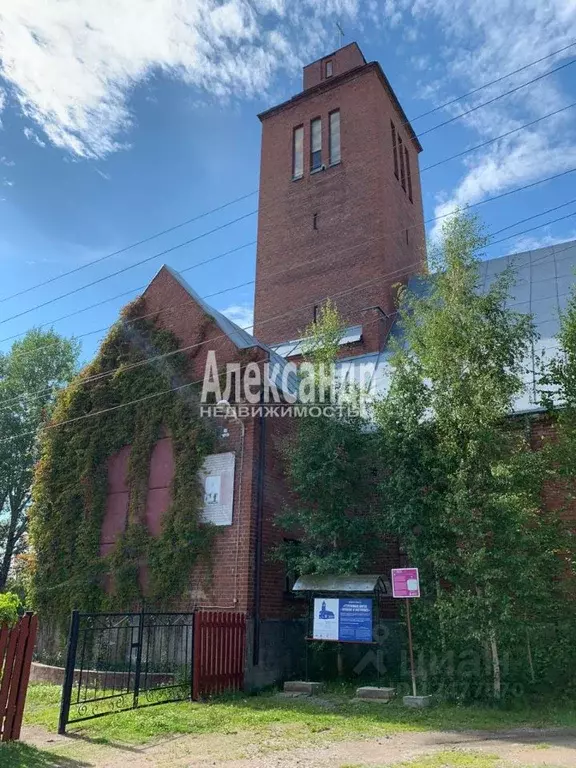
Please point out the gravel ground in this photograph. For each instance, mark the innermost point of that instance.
(519, 747)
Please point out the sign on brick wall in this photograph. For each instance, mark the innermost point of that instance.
(217, 478)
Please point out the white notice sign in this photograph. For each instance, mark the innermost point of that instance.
(217, 478)
(325, 625)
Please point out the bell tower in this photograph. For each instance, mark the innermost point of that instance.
(340, 209)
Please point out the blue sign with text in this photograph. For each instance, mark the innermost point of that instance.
(355, 620)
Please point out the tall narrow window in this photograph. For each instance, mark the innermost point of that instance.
(402, 171)
(334, 137)
(298, 152)
(408, 173)
(329, 68)
(315, 144)
(394, 149)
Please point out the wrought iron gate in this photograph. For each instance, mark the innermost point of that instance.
(119, 661)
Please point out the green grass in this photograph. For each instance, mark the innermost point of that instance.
(18, 755)
(449, 759)
(298, 720)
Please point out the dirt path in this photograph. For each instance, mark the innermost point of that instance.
(521, 747)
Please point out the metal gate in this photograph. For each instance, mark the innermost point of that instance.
(120, 661)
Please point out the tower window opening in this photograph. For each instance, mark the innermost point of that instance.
(316, 144)
(334, 130)
(402, 171)
(394, 149)
(408, 173)
(298, 152)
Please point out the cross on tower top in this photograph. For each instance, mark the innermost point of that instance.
(340, 34)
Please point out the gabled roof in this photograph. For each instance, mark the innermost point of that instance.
(240, 336)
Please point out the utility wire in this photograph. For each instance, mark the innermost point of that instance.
(497, 138)
(180, 245)
(127, 268)
(129, 293)
(253, 192)
(163, 392)
(536, 215)
(491, 82)
(395, 274)
(128, 247)
(496, 98)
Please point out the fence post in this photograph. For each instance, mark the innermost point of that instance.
(193, 653)
(69, 673)
(140, 642)
(25, 676)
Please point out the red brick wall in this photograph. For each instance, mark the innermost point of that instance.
(224, 579)
(363, 212)
(343, 60)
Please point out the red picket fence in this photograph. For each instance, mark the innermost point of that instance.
(16, 647)
(219, 652)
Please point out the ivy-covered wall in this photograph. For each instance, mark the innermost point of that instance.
(70, 486)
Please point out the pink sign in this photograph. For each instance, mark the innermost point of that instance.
(405, 582)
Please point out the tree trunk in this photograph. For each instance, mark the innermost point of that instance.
(530, 659)
(495, 664)
(7, 559)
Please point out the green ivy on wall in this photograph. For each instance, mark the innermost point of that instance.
(70, 485)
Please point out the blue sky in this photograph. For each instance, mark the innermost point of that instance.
(123, 117)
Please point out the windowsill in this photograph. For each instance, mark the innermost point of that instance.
(297, 178)
(333, 165)
(316, 170)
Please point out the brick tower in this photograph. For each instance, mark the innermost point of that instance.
(340, 201)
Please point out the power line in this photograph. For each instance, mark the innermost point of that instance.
(181, 224)
(127, 268)
(539, 226)
(536, 215)
(128, 247)
(128, 293)
(149, 396)
(389, 234)
(252, 213)
(496, 98)
(491, 82)
(394, 274)
(497, 138)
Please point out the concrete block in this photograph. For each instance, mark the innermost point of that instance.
(417, 702)
(372, 692)
(303, 686)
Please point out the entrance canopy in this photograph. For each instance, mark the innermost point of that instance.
(354, 584)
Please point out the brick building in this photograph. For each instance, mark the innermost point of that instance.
(340, 216)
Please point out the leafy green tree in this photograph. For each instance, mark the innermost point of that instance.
(31, 373)
(461, 486)
(9, 606)
(330, 468)
(558, 390)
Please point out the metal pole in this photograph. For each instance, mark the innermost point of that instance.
(69, 673)
(410, 647)
(140, 642)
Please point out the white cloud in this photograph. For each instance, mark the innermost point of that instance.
(73, 64)
(485, 41)
(529, 243)
(241, 314)
(33, 136)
